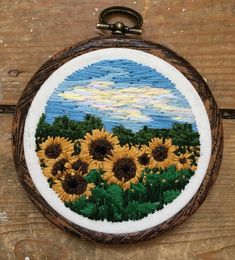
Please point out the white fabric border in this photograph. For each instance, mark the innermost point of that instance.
(38, 107)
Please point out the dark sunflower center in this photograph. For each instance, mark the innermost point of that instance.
(81, 166)
(58, 166)
(144, 159)
(124, 168)
(100, 148)
(160, 153)
(183, 160)
(74, 184)
(53, 151)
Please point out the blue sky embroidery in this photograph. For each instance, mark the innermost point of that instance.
(121, 92)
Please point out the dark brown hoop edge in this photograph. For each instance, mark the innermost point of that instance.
(116, 42)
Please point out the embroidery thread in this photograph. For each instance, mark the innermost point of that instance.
(116, 145)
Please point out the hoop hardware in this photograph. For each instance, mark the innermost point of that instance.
(119, 28)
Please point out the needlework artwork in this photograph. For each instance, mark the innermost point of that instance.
(117, 141)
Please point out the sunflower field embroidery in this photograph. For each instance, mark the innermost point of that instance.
(115, 144)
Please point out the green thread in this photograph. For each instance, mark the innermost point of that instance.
(111, 202)
(181, 134)
(65, 127)
(156, 187)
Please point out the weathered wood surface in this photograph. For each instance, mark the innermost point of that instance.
(208, 234)
(201, 31)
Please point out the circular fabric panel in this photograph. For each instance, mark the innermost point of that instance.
(118, 142)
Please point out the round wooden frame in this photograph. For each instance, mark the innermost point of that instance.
(123, 42)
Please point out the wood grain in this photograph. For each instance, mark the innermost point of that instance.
(201, 31)
(117, 42)
(208, 234)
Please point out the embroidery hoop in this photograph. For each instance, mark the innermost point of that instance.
(119, 41)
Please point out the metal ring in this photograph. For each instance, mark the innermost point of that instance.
(121, 10)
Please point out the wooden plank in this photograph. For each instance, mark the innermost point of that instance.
(33, 31)
(208, 234)
(202, 32)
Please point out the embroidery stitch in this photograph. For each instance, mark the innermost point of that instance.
(115, 144)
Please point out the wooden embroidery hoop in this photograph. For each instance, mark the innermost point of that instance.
(116, 42)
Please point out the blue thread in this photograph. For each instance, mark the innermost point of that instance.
(123, 74)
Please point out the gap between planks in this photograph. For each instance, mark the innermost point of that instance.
(226, 113)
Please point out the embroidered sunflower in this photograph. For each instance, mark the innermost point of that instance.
(55, 168)
(144, 157)
(98, 145)
(122, 167)
(71, 187)
(162, 153)
(183, 161)
(54, 148)
(80, 164)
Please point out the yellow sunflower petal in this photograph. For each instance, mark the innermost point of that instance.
(122, 155)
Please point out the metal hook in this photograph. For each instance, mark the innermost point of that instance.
(119, 28)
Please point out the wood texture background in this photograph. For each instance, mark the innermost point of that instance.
(47, 69)
(201, 31)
